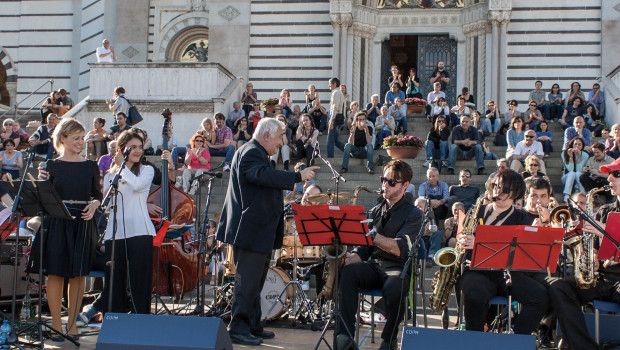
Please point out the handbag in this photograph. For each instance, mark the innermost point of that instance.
(133, 115)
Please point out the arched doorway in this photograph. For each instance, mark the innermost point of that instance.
(189, 45)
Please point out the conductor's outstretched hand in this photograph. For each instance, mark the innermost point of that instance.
(309, 172)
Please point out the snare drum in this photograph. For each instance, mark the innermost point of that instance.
(272, 307)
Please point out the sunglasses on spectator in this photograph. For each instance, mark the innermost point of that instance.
(390, 182)
(615, 173)
(534, 164)
(465, 175)
(533, 105)
(529, 136)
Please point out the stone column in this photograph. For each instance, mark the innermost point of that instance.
(503, 56)
(499, 21)
(376, 62)
(494, 61)
(336, 48)
(345, 47)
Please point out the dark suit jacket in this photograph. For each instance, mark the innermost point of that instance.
(252, 217)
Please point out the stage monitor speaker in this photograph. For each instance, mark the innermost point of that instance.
(162, 332)
(416, 338)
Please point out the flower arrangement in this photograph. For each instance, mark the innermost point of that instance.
(415, 101)
(269, 102)
(402, 141)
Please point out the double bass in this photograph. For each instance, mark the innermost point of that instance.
(175, 262)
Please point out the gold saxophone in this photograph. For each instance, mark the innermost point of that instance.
(582, 248)
(449, 260)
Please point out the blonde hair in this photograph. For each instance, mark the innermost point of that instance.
(66, 127)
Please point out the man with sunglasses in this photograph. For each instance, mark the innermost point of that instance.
(567, 299)
(526, 147)
(395, 224)
(479, 287)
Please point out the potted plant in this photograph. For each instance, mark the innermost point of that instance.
(415, 105)
(402, 146)
(269, 105)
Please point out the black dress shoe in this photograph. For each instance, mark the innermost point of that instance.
(264, 334)
(245, 339)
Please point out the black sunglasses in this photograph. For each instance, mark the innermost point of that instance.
(615, 173)
(390, 182)
(529, 136)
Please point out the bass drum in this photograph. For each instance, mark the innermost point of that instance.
(275, 282)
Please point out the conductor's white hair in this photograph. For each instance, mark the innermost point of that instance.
(267, 127)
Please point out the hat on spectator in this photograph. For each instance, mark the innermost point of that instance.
(610, 167)
(166, 112)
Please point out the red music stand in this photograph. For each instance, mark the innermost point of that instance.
(516, 248)
(608, 248)
(332, 225)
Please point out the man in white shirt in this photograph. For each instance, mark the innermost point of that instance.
(433, 97)
(337, 106)
(105, 53)
(524, 148)
(399, 112)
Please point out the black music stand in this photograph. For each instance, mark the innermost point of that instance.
(332, 225)
(516, 248)
(39, 198)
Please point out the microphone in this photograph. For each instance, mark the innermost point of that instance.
(209, 173)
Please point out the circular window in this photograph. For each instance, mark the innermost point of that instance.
(190, 45)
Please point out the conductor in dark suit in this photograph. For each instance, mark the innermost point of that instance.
(252, 221)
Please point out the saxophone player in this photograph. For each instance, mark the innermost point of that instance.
(479, 287)
(567, 297)
(396, 223)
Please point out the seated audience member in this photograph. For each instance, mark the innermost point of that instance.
(11, 160)
(285, 102)
(436, 144)
(41, 139)
(396, 77)
(451, 224)
(197, 160)
(533, 167)
(360, 143)
(460, 109)
(469, 98)
(384, 126)
(398, 111)
(441, 109)
(512, 112)
(533, 116)
(437, 191)
(463, 192)
(493, 118)
(121, 125)
(393, 94)
(555, 102)
(413, 84)
(105, 161)
(574, 158)
(574, 92)
(8, 133)
(613, 148)
(242, 135)
(207, 130)
(255, 115)
(354, 107)
(311, 94)
(596, 97)
(578, 129)
(293, 119)
(234, 115)
(525, 148)
(488, 155)
(477, 123)
(465, 145)
(433, 98)
(223, 141)
(96, 140)
(594, 121)
(573, 110)
(606, 137)
(592, 176)
(433, 237)
(285, 149)
(538, 96)
(306, 139)
(23, 134)
(514, 135)
(502, 164)
(545, 137)
(318, 113)
(373, 109)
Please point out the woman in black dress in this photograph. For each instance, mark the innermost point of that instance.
(69, 245)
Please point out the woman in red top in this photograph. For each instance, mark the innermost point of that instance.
(197, 160)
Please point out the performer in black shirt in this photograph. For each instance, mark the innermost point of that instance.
(396, 222)
(567, 298)
(479, 287)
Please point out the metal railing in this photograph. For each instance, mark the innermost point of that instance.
(16, 106)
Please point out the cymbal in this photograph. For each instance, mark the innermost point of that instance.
(328, 197)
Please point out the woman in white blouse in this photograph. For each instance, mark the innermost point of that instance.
(135, 231)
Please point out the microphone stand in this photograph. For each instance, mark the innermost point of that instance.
(112, 195)
(202, 240)
(584, 216)
(336, 176)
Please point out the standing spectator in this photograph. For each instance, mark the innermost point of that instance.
(393, 94)
(234, 115)
(574, 158)
(525, 148)
(432, 98)
(41, 139)
(359, 144)
(307, 138)
(311, 94)
(464, 192)
(469, 98)
(11, 160)
(597, 97)
(556, 103)
(512, 111)
(337, 109)
(575, 109)
(396, 78)
(248, 98)
(242, 135)
(121, 125)
(96, 140)
(441, 75)
(514, 135)
(373, 109)
(413, 84)
(574, 92)
(118, 102)
(592, 176)
(538, 95)
(533, 116)
(223, 145)
(399, 112)
(436, 144)
(285, 149)
(105, 53)
(465, 145)
(197, 160)
(438, 193)
(578, 129)
(545, 137)
(105, 161)
(384, 126)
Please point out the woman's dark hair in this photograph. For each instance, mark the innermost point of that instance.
(594, 115)
(119, 90)
(555, 86)
(514, 119)
(7, 141)
(541, 123)
(511, 183)
(571, 144)
(238, 121)
(122, 141)
(436, 124)
(100, 121)
(400, 170)
(309, 117)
